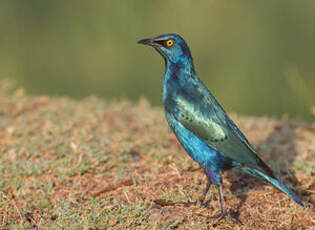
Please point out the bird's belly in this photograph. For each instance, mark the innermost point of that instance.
(200, 151)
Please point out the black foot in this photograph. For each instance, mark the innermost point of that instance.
(198, 202)
(224, 214)
(186, 204)
(202, 203)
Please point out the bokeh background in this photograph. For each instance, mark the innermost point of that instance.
(257, 57)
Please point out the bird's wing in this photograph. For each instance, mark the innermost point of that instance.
(201, 114)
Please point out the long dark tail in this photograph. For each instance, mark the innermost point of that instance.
(275, 181)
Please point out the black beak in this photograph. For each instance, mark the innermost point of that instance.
(149, 42)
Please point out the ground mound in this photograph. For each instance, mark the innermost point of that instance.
(92, 164)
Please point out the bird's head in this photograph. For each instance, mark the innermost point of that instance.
(172, 47)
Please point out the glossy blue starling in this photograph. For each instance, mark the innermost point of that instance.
(201, 125)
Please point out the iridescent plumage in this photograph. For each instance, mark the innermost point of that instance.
(201, 125)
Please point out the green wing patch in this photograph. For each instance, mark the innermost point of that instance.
(207, 130)
(214, 130)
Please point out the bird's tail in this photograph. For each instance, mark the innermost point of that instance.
(275, 181)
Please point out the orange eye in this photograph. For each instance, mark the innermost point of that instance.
(169, 43)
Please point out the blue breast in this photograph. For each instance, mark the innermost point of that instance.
(200, 151)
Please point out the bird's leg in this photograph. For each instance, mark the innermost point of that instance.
(224, 211)
(201, 199)
(203, 195)
(222, 202)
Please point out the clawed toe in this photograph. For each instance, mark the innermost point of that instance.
(204, 204)
(200, 203)
(224, 214)
(186, 204)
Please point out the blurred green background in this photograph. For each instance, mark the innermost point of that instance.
(257, 57)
